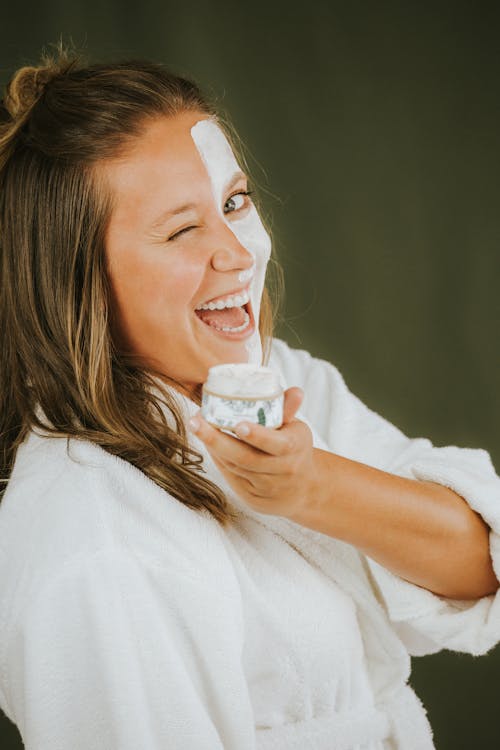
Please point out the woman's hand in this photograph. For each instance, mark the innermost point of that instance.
(422, 531)
(271, 470)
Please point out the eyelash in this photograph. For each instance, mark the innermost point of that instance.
(174, 236)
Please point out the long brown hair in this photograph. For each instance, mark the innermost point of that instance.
(59, 367)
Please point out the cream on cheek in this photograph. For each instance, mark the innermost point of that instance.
(220, 163)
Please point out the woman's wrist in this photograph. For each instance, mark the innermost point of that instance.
(335, 497)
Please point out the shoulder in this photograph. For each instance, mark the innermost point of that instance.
(326, 394)
(337, 416)
(65, 490)
(69, 501)
(299, 367)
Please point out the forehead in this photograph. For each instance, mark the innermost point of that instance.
(189, 146)
(164, 147)
(174, 158)
(175, 161)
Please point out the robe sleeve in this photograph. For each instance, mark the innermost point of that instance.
(425, 622)
(118, 653)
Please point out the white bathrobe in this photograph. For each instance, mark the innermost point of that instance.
(130, 622)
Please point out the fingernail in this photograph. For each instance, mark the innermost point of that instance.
(242, 429)
(194, 424)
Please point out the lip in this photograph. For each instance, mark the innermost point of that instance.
(227, 294)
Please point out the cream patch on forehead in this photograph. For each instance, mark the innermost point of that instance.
(216, 153)
(221, 165)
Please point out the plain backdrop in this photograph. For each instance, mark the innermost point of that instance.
(374, 134)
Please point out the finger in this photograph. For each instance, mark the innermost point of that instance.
(281, 442)
(238, 481)
(226, 447)
(242, 481)
(293, 399)
(273, 466)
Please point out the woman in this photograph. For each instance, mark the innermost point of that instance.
(170, 587)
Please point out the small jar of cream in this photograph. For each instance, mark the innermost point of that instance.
(241, 392)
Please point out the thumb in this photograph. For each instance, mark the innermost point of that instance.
(293, 399)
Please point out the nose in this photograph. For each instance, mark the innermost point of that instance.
(230, 254)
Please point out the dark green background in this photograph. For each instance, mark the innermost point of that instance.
(375, 128)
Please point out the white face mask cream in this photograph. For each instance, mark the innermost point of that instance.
(221, 166)
(242, 392)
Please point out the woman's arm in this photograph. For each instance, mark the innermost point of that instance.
(422, 531)
(448, 513)
(420, 511)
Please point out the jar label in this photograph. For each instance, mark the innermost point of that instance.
(227, 412)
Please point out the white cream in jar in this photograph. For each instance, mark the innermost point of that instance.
(235, 393)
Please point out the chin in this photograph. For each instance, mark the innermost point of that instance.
(232, 352)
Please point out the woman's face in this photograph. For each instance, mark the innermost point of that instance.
(183, 235)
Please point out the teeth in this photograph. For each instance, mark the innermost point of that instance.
(238, 300)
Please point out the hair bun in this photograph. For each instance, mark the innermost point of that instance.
(25, 88)
(28, 84)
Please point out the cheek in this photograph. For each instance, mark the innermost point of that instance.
(181, 281)
(153, 285)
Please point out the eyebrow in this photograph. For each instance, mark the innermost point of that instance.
(160, 220)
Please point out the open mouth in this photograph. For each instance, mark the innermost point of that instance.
(234, 321)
